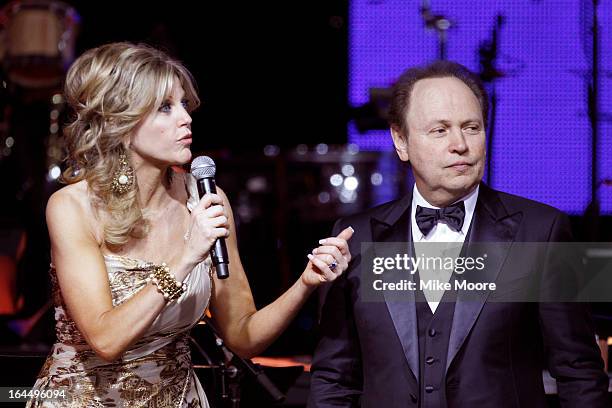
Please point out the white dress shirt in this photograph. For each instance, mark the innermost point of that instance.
(441, 232)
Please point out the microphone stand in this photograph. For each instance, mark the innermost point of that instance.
(593, 111)
(439, 23)
(591, 48)
(235, 368)
(489, 73)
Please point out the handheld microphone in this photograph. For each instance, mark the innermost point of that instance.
(203, 169)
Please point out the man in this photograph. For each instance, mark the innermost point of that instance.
(456, 353)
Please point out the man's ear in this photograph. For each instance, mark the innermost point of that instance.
(401, 143)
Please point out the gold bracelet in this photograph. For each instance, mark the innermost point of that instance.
(166, 283)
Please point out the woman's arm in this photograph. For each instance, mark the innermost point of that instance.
(249, 331)
(84, 284)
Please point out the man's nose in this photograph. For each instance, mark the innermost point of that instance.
(457, 142)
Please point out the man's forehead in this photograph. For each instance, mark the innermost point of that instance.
(432, 87)
(432, 94)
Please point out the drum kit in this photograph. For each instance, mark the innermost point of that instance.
(37, 46)
(37, 42)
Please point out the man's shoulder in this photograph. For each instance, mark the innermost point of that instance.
(380, 212)
(514, 203)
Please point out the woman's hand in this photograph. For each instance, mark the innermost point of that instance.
(329, 260)
(209, 221)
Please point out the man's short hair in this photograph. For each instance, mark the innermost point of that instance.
(439, 69)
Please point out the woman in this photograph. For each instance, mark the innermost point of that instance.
(130, 243)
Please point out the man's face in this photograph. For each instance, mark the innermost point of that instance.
(445, 141)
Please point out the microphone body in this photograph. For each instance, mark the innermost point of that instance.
(206, 185)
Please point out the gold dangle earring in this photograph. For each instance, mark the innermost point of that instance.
(123, 179)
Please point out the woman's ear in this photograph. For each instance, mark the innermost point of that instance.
(127, 142)
(400, 141)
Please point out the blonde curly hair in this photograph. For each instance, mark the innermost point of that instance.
(111, 89)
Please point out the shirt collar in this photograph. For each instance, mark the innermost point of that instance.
(469, 201)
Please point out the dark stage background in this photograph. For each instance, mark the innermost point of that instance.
(274, 80)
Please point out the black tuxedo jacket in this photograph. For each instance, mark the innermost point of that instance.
(368, 354)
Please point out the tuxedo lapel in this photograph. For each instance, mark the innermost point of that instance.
(395, 226)
(491, 223)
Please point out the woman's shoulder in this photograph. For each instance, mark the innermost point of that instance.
(71, 197)
(72, 205)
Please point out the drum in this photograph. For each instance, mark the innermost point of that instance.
(37, 39)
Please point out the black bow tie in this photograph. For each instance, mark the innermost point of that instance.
(453, 216)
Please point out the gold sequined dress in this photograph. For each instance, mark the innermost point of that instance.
(155, 372)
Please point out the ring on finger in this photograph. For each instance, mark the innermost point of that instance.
(333, 266)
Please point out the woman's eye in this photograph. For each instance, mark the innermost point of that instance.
(165, 107)
(185, 104)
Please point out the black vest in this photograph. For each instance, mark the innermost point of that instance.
(434, 333)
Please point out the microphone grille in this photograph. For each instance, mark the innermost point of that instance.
(203, 167)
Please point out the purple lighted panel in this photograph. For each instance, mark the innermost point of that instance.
(542, 136)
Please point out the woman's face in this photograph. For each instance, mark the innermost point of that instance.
(164, 136)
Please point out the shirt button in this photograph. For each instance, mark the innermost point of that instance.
(430, 360)
(429, 389)
(432, 332)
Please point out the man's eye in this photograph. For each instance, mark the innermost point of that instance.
(438, 131)
(472, 128)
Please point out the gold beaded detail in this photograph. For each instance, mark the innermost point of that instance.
(166, 283)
